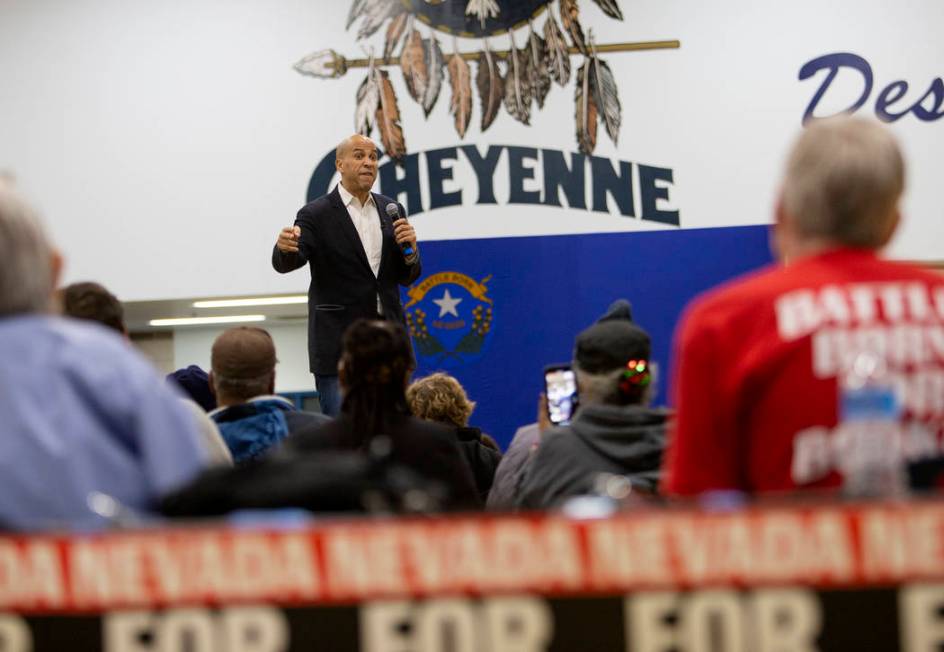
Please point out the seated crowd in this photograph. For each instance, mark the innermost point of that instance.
(758, 366)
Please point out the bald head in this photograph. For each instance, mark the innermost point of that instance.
(347, 145)
(243, 365)
(356, 160)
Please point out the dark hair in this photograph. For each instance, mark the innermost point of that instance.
(375, 361)
(92, 302)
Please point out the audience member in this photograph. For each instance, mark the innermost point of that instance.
(92, 302)
(613, 431)
(440, 397)
(489, 442)
(217, 451)
(373, 372)
(510, 472)
(251, 418)
(758, 360)
(195, 383)
(83, 414)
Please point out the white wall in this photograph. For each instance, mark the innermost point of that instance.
(168, 141)
(192, 346)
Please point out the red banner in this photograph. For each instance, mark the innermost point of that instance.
(353, 561)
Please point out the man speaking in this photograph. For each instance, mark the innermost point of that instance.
(358, 249)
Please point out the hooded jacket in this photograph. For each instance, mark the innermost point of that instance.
(624, 440)
(250, 429)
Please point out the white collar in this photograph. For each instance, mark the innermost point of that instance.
(347, 198)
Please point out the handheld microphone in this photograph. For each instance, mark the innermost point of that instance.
(393, 212)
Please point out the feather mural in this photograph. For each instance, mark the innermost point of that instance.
(519, 79)
(606, 96)
(413, 65)
(538, 75)
(368, 100)
(325, 64)
(357, 8)
(558, 57)
(610, 8)
(395, 32)
(388, 119)
(433, 59)
(586, 110)
(570, 19)
(517, 85)
(460, 80)
(375, 13)
(489, 82)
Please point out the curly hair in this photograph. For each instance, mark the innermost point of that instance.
(440, 397)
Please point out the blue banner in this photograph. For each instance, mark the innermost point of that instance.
(494, 312)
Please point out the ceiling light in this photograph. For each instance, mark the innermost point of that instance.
(260, 301)
(197, 321)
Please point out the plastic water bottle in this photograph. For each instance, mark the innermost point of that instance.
(870, 425)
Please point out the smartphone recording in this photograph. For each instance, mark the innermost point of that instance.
(560, 387)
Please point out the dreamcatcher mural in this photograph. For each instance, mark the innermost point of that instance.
(516, 79)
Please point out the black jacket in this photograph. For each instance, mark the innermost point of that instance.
(343, 287)
(430, 449)
(482, 460)
(624, 440)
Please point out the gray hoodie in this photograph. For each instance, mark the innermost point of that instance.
(624, 440)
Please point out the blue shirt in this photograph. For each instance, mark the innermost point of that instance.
(81, 411)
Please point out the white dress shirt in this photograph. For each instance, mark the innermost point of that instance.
(367, 223)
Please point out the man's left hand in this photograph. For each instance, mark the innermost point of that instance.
(404, 233)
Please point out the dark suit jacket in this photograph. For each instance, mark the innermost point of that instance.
(430, 449)
(343, 287)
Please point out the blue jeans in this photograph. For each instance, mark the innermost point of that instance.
(329, 394)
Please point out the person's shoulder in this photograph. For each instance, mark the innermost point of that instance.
(319, 204)
(431, 427)
(299, 420)
(523, 438)
(911, 272)
(317, 435)
(736, 301)
(56, 341)
(551, 468)
(468, 433)
(383, 200)
(557, 439)
(431, 431)
(88, 340)
(101, 360)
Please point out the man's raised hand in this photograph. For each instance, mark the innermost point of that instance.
(288, 239)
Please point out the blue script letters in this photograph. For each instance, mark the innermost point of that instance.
(889, 95)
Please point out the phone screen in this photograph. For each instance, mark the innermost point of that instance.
(561, 391)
